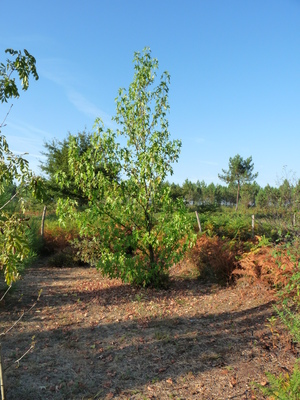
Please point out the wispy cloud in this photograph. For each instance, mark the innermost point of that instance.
(26, 140)
(29, 130)
(88, 108)
(208, 162)
(59, 72)
(56, 70)
(199, 140)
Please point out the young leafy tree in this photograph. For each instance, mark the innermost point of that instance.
(132, 228)
(240, 171)
(14, 171)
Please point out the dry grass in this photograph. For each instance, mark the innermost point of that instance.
(100, 339)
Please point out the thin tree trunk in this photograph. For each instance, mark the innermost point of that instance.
(149, 229)
(151, 254)
(237, 196)
(198, 220)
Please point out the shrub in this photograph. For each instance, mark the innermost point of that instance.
(63, 259)
(287, 273)
(229, 225)
(215, 257)
(283, 387)
(276, 265)
(56, 237)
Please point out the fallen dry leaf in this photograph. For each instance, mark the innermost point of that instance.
(233, 381)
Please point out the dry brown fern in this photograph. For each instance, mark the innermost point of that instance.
(214, 257)
(262, 264)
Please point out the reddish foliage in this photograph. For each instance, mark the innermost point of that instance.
(261, 264)
(58, 240)
(215, 257)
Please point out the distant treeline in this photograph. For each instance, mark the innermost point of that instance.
(196, 194)
(286, 195)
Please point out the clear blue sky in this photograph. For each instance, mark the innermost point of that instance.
(234, 66)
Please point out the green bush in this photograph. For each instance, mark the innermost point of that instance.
(63, 259)
(287, 387)
(283, 387)
(34, 237)
(229, 225)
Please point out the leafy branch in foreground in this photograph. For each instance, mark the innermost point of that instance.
(24, 66)
(132, 229)
(14, 170)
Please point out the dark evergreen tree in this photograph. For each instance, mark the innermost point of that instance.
(240, 171)
(57, 161)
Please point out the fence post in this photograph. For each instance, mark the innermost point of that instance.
(43, 221)
(198, 220)
(253, 221)
(1, 377)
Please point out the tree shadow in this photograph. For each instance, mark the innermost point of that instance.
(87, 291)
(75, 361)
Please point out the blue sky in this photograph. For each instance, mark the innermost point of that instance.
(234, 66)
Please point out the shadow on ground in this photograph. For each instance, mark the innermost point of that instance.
(120, 358)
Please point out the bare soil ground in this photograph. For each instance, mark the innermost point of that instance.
(100, 339)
